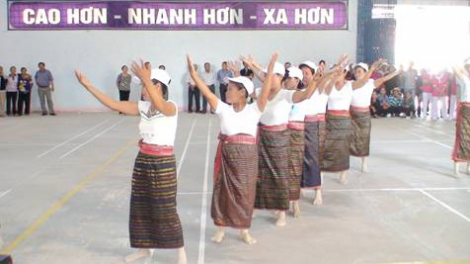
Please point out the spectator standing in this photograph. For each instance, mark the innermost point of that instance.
(25, 84)
(193, 92)
(3, 84)
(223, 76)
(247, 71)
(208, 76)
(439, 92)
(45, 82)
(12, 92)
(409, 80)
(123, 83)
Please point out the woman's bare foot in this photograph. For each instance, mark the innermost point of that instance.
(365, 168)
(343, 177)
(296, 209)
(139, 254)
(318, 200)
(182, 256)
(456, 169)
(246, 237)
(219, 235)
(281, 219)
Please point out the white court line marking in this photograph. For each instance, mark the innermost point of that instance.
(430, 129)
(5, 193)
(91, 139)
(202, 236)
(426, 138)
(24, 181)
(186, 145)
(448, 207)
(67, 141)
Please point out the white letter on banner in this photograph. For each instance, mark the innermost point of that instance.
(86, 15)
(190, 16)
(149, 16)
(327, 16)
(269, 16)
(300, 16)
(282, 17)
(176, 17)
(236, 16)
(209, 16)
(41, 17)
(314, 16)
(54, 16)
(223, 16)
(73, 16)
(162, 17)
(100, 16)
(134, 15)
(28, 18)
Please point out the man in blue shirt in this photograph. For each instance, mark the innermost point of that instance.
(45, 83)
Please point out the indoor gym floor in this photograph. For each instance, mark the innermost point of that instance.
(65, 189)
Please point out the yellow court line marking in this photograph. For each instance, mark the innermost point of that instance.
(56, 207)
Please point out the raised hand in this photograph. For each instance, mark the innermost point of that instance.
(191, 69)
(141, 71)
(82, 79)
(376, 64)
(233, 66)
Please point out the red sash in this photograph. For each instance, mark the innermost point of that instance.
(155, 150)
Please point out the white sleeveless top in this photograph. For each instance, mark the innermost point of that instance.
(278, 109)
(362, 96)
(341, 100)
(157, 129)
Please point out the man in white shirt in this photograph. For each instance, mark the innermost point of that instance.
(208, 76)
(193, 92)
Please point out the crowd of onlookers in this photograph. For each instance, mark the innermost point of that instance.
(412, 94)
(409, 94)
(15, 91)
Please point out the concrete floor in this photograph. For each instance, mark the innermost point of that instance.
(65, 184)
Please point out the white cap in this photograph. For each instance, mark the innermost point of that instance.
(247, 83)
(309, 64)
(278, 69)
(295, 72)
(362, 65)
(161, 76)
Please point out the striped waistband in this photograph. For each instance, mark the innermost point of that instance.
(273, 128)
(155, 150)
(360, 109)
(238, 139)
(315, 118)
(338, 113)
(295, 125)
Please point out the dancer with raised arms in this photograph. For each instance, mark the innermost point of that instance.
(154, 221)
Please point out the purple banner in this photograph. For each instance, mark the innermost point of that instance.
(153, 15)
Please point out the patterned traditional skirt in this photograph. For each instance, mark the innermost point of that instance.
(154, 221)
(359, 137)
(296, 158)
(315, 133)
(461, 151)
(336, 156)
(235, 172)
(272, 189)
